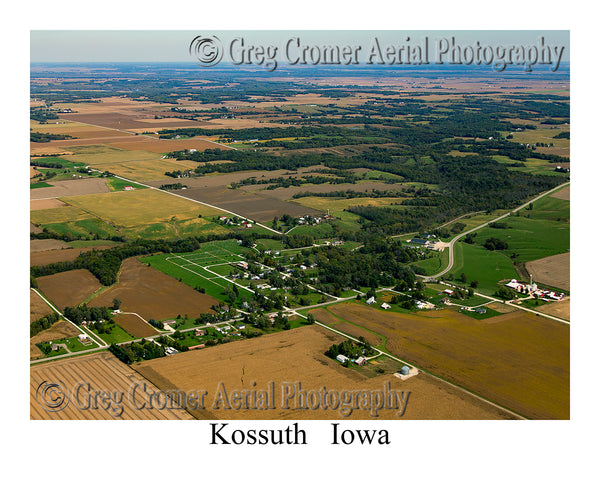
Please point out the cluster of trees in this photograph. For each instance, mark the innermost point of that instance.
(40, 137)
(137, 351)
(43, 323)
(493, 243)
(82, 313)
(172, 186)
(351, 349)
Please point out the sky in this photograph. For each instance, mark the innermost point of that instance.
(172, 45)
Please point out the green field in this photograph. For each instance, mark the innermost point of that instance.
(487, 267)
(118, 184)
(39, 185)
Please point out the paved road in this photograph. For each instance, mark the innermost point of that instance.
(455, 239)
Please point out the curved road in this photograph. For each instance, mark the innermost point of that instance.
(453, 241)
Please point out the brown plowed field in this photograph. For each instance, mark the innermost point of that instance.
(560, 309)
(67, 188)
(123, 121)
(153, 294)
(135, 325)
(298, 356)
(505, 361)
(37, 307)
(67, 289)
(63, 255)
(102, 371)
(553, 271)
(34, 229)
(46, 244)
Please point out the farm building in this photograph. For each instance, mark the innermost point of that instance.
(360, 361)
(448, 291)
(371, 301)
(128, 187)
(342, 358)
(385, 306)
(480, 310)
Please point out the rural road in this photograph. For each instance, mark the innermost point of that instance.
(455, 239)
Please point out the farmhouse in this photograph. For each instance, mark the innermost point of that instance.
(371, 301)
(128, 187)
(385, 306)
(360, 361)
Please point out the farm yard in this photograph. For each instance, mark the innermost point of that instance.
(501, 360)
(298, 356)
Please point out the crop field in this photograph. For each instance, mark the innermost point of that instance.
(553, 271)
(152, 294)
(66, 188)
(37, 307)
(140, 207)
(103, 372)
(61, 255)
(337, 205)
(67, 289)
(563, 193)
(560, 309)
(298, 356)
(63, 214)
(46, 244)
(45, 204)
(134, 325)
(500, 358)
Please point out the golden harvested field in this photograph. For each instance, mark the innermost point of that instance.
(62, 255)
(66, 188)
(58, 331)
(153, 294)
(100, 156)
(298, 356)
(37, 307)
(134, 325)
(324, 203)
(46, 244)
(62, 214)
(68, 288)
(288, 193)
(143, 170)
(77, 130)
(45, 204)
(140, 207)
(102, 371)
(504, 361)
(553, 270)
(560, 309)
(164, 145)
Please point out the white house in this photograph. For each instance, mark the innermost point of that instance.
(371, 301)
(385, 306)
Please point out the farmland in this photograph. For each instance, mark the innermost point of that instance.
(501, 360)
(298, 356)
(100, 371)
(341, 171)
(67, 289)
(152, 294)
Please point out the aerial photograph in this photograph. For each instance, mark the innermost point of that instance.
(301, 226)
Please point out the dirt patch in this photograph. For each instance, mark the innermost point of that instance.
(46, 244)
(502, 361)
(298, 356)
(134, 325)
(67, 289)
(37, 307)
(34, 228)
(502, 307)
(104, 373)
(45, 204)
(554, 271)
(67, 188)
(63, 255)
(563, 193)
(153, 294)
